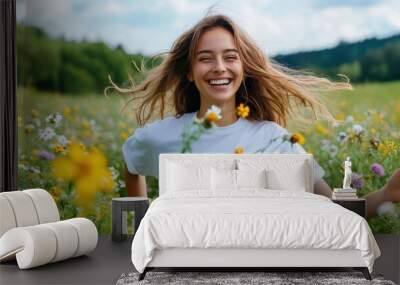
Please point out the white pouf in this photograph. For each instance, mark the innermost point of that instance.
(31, 232)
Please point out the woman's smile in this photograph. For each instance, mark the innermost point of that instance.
(217, 70)
(220, 84)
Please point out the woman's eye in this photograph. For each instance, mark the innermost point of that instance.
(204, 58)
(232, 57)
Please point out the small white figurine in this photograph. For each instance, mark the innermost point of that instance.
(347, 174)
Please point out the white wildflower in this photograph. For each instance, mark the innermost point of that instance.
(349, 119)
(214, 109)
(121, 183)
(46, 133)
(55, 119)
(357, 129)
(114, 172)
(62, 140)
(34, 169)
(333, 150)
(325, 144)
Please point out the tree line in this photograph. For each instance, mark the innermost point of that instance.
(72, 67)
(364, 61)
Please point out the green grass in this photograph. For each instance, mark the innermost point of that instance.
(97, 121)
(372, 94)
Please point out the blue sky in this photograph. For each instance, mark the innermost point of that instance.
(278, 26)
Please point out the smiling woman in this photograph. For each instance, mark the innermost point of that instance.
(216, 63)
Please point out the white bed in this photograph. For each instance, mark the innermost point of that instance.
(222, 210)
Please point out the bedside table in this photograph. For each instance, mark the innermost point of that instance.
(120, 207)
(358, 205)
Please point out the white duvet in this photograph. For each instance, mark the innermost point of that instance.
(253, 218)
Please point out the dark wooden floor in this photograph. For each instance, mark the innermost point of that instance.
(102, 266)
(110, 259)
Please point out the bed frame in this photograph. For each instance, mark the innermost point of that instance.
(247, 259)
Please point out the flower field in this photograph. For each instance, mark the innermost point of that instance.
(71, 146)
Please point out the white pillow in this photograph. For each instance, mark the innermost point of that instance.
(293, 180)
(223, 179)
(251, 178)
(227, 179)
(182, 177)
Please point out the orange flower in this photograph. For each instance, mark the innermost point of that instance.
(297, 138)
(212, 117)
(213, 114)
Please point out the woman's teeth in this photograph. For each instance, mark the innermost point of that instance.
(220, 82)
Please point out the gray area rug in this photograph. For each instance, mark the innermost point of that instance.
(228, 278)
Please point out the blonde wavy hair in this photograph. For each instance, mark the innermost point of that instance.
(272, 91)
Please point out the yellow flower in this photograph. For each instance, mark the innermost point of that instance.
(88, 171)
(67, 111)
(124, 135)
(340, 117)
(242, 110)
(321, 129)
(387, 148)
(297, 138)
(64, 168)
(239, 150)
(59, 148)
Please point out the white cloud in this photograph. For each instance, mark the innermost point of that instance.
(278, 26)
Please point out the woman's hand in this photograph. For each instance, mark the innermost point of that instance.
(391, 190)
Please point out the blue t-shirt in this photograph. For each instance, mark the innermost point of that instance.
(142, 149)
